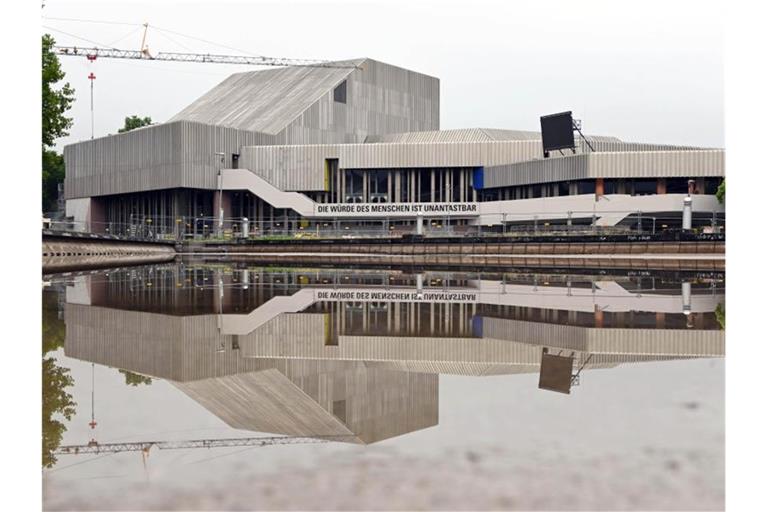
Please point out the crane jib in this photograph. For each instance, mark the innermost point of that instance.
(114, 53)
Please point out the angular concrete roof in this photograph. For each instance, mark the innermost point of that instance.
(266, 101)
(468, 135)
(459, 135)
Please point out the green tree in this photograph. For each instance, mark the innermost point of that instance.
(134, 379)
(57, 402)
(720, 315)
(56, 101)
(53, 174)
(133, 122)
(721, 191)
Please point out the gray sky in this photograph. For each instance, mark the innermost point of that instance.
(648, 71)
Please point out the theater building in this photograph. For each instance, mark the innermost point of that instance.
(358, 144)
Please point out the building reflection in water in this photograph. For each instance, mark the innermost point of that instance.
(358, 353)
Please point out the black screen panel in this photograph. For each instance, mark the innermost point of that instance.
(557, 131)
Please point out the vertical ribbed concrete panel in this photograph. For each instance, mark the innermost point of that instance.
(178, 348)
(277, 107)
(622, 343)
(622, 164)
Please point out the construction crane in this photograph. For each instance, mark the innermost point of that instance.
(114, 53)
(143, 53)
(144, 446)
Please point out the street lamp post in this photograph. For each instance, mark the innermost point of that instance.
(221, 194)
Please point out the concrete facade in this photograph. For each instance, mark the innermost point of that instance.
(302, 145)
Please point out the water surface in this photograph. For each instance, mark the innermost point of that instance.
(429, 384)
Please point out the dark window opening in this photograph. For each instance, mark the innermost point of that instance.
(645, 187)
(585, 187)
(710, 185)
(340, 410)
(340, 93)
(677, 185)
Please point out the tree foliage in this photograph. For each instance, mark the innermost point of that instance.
(53, 174)
(133, 122)
(57, 402)
(56, 101)
(720, 315)
(134, 379)
(721, 192)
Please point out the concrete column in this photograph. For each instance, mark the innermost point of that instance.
(686, 293)
(389, 186)
(418, 186)
(432, 184)
(366, 178)
(661, 319)
(398, 185)
(462, 197)
(687, 212)
(431, 318)
(225, 205)
(599, 187)
(598, 317)
(222, 293)
(661, 185)
(97, 217)
(419, 225)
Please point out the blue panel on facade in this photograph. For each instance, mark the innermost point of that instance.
(477, 178)
(477, 326)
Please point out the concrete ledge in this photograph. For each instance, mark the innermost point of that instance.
(633, 262)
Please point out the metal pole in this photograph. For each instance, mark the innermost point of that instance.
(92, 77)
(92, 125)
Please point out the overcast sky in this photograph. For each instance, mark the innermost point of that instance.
(648, 71)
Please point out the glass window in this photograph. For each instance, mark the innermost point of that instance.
(677, 185)
(645, 187)
(585, 187)
(340, 93)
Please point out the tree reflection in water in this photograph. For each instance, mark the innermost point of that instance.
(134, 379)
(57, 403)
